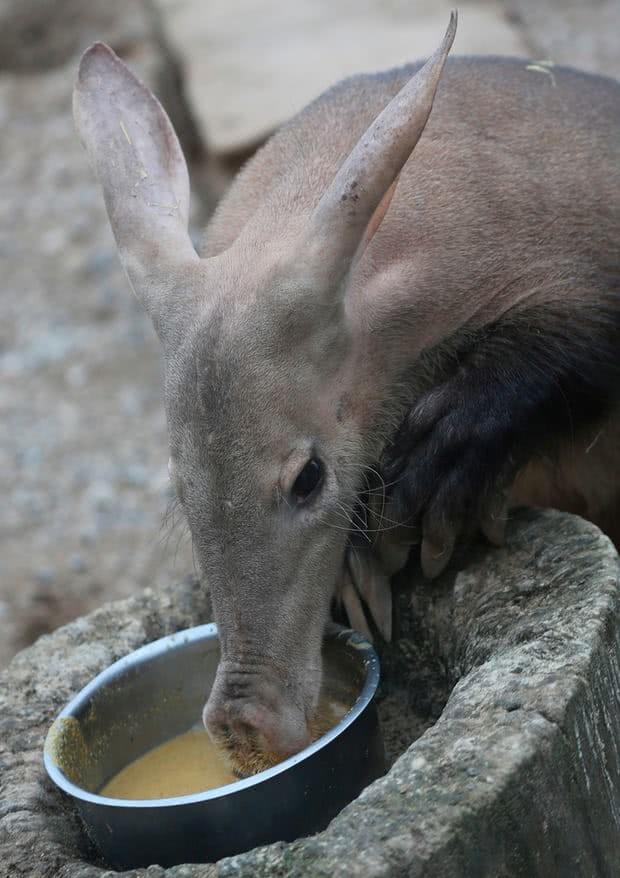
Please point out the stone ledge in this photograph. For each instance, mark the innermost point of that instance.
(519, 776)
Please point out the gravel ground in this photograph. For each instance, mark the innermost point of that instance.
(83, 453)
(83, 441)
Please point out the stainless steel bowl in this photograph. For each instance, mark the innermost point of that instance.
(158, 692)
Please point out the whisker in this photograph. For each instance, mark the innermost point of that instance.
(329, 524)
(174, 523)
(379, 488)
(183, 535)
(194, 565)
(363, 521)
(382, 517)
(353, 526)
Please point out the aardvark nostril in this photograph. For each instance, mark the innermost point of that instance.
(216, 720)
(226, 723)
(241, 723)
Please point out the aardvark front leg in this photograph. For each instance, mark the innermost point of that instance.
(531, 380)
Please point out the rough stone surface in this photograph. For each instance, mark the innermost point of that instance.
(520, 776)
(252, 65)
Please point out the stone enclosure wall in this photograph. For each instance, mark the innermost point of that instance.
(520, 775)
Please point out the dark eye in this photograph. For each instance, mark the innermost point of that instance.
(308, 480)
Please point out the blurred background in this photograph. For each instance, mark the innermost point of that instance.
(83, 451)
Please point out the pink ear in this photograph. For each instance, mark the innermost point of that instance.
(137, 158)
(350, 211)
(377, 218)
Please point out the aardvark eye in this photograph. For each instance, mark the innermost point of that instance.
(308, 481)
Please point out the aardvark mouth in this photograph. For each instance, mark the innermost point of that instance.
(246, 756)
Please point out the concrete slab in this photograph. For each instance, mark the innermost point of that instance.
(249, 66)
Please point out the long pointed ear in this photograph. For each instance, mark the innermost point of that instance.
(351, 210)
(138, 161)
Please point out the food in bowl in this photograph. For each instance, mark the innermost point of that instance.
(192, 763)
(154, 695)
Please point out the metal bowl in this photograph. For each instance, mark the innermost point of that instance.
(158, 692)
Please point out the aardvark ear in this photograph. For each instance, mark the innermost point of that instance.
(354, 205)
(137, 158)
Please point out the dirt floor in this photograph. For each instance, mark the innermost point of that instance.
(83, 458)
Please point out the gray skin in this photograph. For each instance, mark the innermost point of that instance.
(335, 261)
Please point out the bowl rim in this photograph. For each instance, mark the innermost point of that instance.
(352, 638)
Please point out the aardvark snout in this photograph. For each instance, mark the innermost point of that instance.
(257, 729)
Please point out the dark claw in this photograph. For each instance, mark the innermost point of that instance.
(447, 462)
